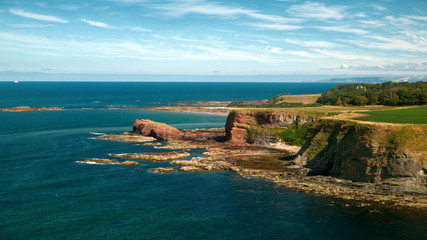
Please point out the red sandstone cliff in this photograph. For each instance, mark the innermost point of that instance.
(239, 122)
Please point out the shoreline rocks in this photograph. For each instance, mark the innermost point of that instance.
(163, 170)
(127, 138)
(27, 109)
(155, 156)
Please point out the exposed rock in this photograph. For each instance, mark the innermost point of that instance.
(129, 163)
(203, 163)
(190, 169)
(160, 131)
(27, 108)
(127, 138)
(154, 157)
(151, 144)
(108, 161)
(163, 170)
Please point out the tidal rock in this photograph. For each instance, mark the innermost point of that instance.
(155, 156)
(127, 138)
(27, 108)
(163, 170)
(108, 161)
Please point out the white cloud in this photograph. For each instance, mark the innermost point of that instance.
(360, 14)
(378, 7)
(320, 44)
(318, 11)
(139, 29)
(343, 29)
(36, 16)
(344, 55)
(373, 23)
(399, 20)
(275, 27)
(422, 18)
(390, 43)
(97, 24)
(202, 7)
(31, 25)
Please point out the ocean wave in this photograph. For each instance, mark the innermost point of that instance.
(97, 133)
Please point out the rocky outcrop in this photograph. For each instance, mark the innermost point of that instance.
(154, 156)
(163, 170)
(27, 108)
(160, 131)
(239, 122)
(104, 161)
(366, 152)
(127, 138)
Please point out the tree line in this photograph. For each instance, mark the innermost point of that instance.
(389, 93)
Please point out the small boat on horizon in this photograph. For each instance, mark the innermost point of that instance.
(15, 81)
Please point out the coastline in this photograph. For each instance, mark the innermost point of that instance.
(280, 164)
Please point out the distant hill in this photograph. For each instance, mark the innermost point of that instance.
(374, 79)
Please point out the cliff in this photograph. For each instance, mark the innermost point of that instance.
(240, 123)
(361, 152)
(366, 152)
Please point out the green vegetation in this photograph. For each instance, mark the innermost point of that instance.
(392, 94)
(294, 134)
(405, 115)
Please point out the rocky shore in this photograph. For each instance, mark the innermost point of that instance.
(228, 151)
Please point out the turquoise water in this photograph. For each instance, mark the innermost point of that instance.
(46, 194)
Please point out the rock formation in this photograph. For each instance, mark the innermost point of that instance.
(239, 122)
(366, 152)
(160, 131)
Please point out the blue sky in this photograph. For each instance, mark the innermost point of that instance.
(206, 37)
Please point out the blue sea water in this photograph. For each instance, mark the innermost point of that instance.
(46, 194)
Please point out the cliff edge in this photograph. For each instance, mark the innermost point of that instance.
(346, 149)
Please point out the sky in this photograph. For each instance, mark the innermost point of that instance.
(214, 37)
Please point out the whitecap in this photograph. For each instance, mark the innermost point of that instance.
(97, 133)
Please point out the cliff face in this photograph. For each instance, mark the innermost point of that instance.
(239, 122)
(366, 152)
(346, 149)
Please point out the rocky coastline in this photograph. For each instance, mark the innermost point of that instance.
(342, 158)
(227, 149)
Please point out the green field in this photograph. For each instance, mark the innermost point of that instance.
(406, 115)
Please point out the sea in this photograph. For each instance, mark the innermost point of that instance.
(45, 193)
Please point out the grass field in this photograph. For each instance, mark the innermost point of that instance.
(303, 98)
(405, 115)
